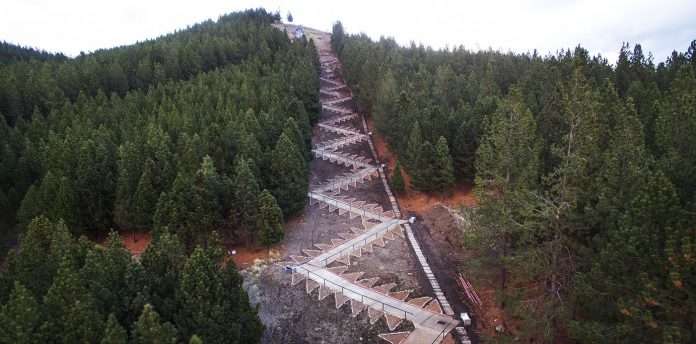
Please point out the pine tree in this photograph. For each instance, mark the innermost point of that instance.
(198, 293)
(106, 273)
(423, 171)
(397, 179)
(290, 185)
(674, 133)
(150, 330)
(567, 197)
(35, 263)
(145, 197)
(270, 220)
(20, 317)
(205, 202)
(614, 292)
(385, 111)
(444, 169)
(70, 311)
(414, 147)
(506, 165)
(293, 132)
(173, 208)
(246, 190)
(114, 332)
(130, 163)
(32, 206)
(162, 262)
(64, 205)
(242, 318)
(338, 38)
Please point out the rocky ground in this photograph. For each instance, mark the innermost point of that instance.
(292, 316)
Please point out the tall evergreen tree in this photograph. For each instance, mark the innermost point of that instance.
(71, 314)
(507, 163)
(31, 206)
(149, 329)
(270, 220)
(290, 185)
(415, 146)
(674, 128)
(205, 203)
(145, 197)
(161, 263)
(20, 318)
(293, 132)
(106, 274)
(397, 179)
(246, 190)
(114, 332)
(423, 171)
(444, 168)
(43, 245)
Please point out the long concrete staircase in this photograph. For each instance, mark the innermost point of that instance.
(323, 268)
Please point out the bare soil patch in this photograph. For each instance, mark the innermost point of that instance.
(134, 241)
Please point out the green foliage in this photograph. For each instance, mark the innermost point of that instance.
(20, 317)
(415, 145)
(291, 184)
(397, 179)
(423, 168)
(337, 37)
(149, 329)
(114, 332)
(583, 172)
(103, 137)
(443, 178)
(80, 292)
(145, 197)
(245, 194)
(270, 220)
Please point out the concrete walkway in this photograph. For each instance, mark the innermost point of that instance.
(431, 325)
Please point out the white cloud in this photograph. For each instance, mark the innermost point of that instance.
(546, 25)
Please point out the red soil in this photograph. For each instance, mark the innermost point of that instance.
(245, 256)
(135, 241)
(416, 201)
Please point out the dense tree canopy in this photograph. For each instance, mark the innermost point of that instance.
(584, 173)
(148, 135)
(77, 292)
(10, 53)
(183, 135)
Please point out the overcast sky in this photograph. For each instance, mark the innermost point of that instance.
(71, 26)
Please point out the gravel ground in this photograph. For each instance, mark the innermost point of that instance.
(292, 316)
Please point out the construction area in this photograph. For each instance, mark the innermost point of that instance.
(350, 269)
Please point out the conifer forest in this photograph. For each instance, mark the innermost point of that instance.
(581, 171)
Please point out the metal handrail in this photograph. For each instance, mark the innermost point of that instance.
(346, 181)
(441, 335)
(379, 216)
(362, 296)
(323, 154)
(352, 247)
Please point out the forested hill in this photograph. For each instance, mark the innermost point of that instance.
(200, 136)
(10, 53)
(584, 173)
(184, 131)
